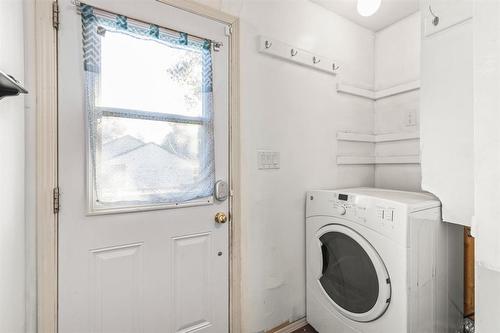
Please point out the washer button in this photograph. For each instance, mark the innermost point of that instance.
(380, 213)
(389, 215)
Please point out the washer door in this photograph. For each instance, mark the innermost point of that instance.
(353, 276)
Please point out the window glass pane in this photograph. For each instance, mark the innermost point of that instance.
(349, 277)
(149, 104)
(146, 75)
(153, 161)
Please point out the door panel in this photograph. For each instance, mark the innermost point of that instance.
(116, 289)
(191, 278)
(138, 269)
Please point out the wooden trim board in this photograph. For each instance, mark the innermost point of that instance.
(288, 327)
(235, 292)
(46, 166)
(469, 275)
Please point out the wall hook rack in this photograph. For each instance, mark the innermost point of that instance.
(9, 86)
(297, 55)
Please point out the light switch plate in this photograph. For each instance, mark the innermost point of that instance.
(268, 160)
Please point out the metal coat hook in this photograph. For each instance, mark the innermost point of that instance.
(316, 60)
(268, 44)
(335, 67)
(435, 20)
(293, 52)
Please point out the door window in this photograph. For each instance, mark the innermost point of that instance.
(348, 275)
(150, 119)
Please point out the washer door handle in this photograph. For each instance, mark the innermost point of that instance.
(325, 256)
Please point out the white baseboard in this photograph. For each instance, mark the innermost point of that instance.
(293, 326)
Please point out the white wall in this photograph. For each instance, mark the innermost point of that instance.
(296, 111)
(397, 61)
(446, 94)
(487, 163)
(12, 230)
(30, 146)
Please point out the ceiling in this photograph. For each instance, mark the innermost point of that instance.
(390, 11)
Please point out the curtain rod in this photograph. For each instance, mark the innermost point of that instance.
(77, 3)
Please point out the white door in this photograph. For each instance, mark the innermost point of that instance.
(143, 137)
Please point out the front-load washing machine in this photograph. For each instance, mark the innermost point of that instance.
(382, 261)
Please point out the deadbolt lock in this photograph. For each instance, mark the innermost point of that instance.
(220, 218)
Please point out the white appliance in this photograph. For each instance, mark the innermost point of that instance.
(382, 261)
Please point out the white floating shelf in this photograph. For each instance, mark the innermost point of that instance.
(376, 95)
(294, 54)
(350, 160)
(365, 160)
(375, 138)
(355, 91)
(400, 159)
(356, 137)
(396, 90)
(386, 137)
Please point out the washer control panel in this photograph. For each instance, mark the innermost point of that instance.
(344, 204)
(349, 206)
(381, 215)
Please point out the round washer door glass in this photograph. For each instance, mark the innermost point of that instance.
(353, 275)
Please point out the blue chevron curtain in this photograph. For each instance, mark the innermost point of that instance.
(95, 24)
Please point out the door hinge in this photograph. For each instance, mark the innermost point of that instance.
(55, 199)
(55, 15)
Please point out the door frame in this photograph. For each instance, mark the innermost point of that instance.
(46, 93)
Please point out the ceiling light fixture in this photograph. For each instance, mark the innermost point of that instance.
(368, 7)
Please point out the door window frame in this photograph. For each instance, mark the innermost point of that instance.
(384, 295)
(92, 71)
(45, 76)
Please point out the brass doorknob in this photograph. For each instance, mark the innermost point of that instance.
(220, 218)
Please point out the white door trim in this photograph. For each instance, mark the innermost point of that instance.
(46, 165)
(46, 161)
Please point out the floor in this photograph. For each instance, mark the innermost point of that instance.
(306, 329)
